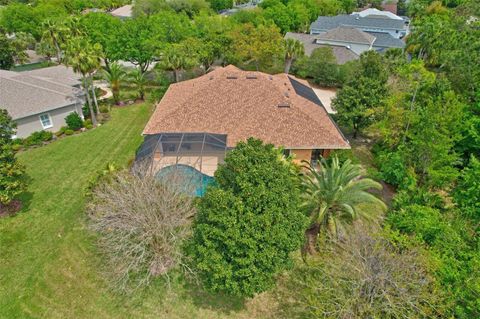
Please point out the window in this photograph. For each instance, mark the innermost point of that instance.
(46, 121)
(286, 152)
(316, 155)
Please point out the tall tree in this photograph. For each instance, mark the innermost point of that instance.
(178, 57)
(114, 75)
(364, 92)
(247, 226)
(140, 81)
(135, 43)
(259, 45)
(293, 50)
(11, 172)
(53, 35)
(103, 29)
(336, 194)
(7, 53)
(84, 58)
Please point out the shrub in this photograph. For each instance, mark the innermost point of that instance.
(467, 192)
(89, 126)
(247, 227)
(104, 109)
(16, 147)
(86, 111)
(11, 172)
(37, 138)
(69, 132)
(87, 122)
(392, 167)
(61, 131)
(363, 276)
(17, 141)
(74, 121)
(141, 224)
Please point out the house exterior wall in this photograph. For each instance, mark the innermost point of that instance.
(30, 124)
(301, 155)
(355, 47)
(306, 155)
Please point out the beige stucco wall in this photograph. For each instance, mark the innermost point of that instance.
(30, 124)
(301, 155)
(306, 155)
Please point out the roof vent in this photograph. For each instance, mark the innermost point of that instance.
(251, 76)
(283, 105)
(231, 77)
(286, 94)
(211, 77)
(270, 77)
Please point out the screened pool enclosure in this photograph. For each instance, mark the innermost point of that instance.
(195, 156)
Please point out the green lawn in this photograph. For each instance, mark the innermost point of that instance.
(31, 66)
(49, 266)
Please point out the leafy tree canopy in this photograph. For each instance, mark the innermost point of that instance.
(247, 226)
(11, 172)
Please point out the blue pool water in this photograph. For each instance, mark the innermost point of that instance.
(193, 178)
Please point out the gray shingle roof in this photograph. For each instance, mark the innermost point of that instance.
(327, 23)
(347, 34)
(342, 54)
(385, 40)
(27, 93)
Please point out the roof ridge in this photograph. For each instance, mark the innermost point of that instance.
(51, 80)
(36, 86)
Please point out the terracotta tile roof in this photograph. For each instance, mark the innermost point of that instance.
(242, 104)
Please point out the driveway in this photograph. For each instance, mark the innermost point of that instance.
(326, 95)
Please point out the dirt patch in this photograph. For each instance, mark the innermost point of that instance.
(11, 209)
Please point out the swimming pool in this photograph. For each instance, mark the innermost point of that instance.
(194, 181)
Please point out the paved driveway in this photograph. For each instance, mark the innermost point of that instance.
(326, 95)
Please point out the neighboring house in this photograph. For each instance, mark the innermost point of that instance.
(351, 35)
(342, 53)
(124, 12)
(375, 13)
(199, 120)
(347, 43)
(40, 99)
(379, 24)
(243, 6)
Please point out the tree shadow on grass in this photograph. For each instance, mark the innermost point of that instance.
(213, 301)
(20, 204)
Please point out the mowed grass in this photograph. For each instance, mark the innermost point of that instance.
(49, 264)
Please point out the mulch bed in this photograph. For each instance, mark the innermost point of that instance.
(11, 209)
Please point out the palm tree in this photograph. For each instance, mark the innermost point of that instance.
(293, 49)
(178, 57)
(138, 78)
(52, 34)
(84, 58)
(336, 194)
(114, 75)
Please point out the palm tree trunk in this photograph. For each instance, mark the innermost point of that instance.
(288, 65)
(89, 101)
(177, 76)
(311, 235)
(94, 96)
(57, 47)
